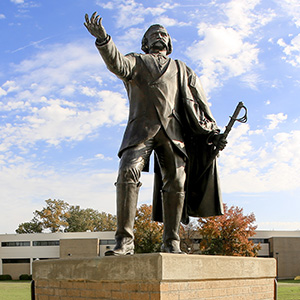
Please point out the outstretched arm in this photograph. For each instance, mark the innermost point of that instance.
(95, 27)
(115, 61)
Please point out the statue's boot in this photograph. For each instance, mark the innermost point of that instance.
(127, 197)
(172, 212)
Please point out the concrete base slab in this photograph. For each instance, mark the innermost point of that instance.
(156, 276)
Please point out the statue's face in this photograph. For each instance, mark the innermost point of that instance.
(158, 37)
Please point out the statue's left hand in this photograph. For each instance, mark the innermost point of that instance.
(219, 141)
(95, 27)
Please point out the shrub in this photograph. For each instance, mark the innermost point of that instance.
(5, 277)
(25, 277)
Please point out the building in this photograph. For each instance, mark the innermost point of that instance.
(18, 251)
(284, 246)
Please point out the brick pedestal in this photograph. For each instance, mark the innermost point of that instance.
(156, 277)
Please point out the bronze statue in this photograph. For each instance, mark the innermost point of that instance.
(169, 115)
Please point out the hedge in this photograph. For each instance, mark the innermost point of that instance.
(5, 277)
(25, 277)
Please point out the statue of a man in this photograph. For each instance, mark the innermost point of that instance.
(168, 114)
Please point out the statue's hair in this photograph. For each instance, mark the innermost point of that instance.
(145, 47)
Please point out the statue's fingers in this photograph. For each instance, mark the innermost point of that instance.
(96, 19)
(93, 17)
(87, 20)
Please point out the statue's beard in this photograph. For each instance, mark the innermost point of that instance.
(159, 45)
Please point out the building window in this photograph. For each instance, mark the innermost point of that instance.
(16, 260)
(15, 244)
(45, 243)
(107, 242)
(257, 241)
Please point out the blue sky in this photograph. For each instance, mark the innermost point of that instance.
(63, 114)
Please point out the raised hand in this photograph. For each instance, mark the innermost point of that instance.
(95, 27)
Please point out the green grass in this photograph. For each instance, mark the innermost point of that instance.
(15, 290)
(20, 290)
(289, 290)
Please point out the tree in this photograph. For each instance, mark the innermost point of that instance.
(106, 222)
(81, 220)
(54, 215)
(148, 233)
(58, 215)
(34, 226)
(228, 234)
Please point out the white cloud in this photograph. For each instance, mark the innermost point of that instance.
(103, 157)
(55, 121)
(251, 80)
(273, 167)
(93, 189)
(292, 9)
(222, 54)
(9, 86)
(17, 1)
(268, 102)
(36, 98)
(130, 12)
(245, 17)
(275, 120)
(53, 69)
(130, 40)
(291, 51)
(2, 92)
(107, 5)
(224, 49)
(2, 16)
(168, 22)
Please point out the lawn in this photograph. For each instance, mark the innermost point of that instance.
(15, 290)
(289, 290)
(20, 290)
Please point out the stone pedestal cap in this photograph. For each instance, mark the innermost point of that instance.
(155, 267)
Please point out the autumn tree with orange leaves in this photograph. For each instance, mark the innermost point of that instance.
(147, 233)
(54, 215)
(228, 234)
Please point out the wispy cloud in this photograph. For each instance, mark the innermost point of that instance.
(17, 1)
(131, 13)
(272, 167)
(37, 98)
(276, 119)
(225, 49)
(169, 22)
(38, 183)
(291, 50)
(292, 9)
(36, 43)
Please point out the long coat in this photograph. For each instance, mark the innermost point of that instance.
(172, 99)
(203, 196)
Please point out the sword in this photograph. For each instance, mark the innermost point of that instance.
(229, 126)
